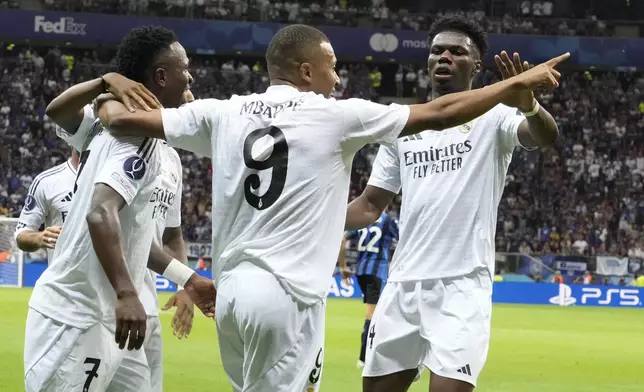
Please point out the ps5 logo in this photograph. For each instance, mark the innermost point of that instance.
(565, 297)
(626, 297)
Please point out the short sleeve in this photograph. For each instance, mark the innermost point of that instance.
(34, 212)
(191, 126)
(174, 215)
(509, 120)
(368, 122)
(78, 139)
(129, 167)
(385, 172)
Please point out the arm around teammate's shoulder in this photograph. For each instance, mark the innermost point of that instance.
(189, 127)
(121, 122)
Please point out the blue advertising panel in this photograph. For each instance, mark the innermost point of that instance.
(504, 292)
(567, 295)
(214, 36)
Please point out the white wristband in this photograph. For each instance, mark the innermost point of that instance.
(534, 110)
(178, 272)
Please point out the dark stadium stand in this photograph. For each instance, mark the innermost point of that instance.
(545, 17)
(582, 197)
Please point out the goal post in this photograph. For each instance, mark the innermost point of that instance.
(11, 258)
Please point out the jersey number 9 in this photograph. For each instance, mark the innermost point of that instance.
(277, 160)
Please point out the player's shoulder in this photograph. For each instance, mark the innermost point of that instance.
(53, 172)
(501, 111)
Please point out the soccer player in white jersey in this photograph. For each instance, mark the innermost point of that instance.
(47, 203)
(282, 166)
(88, 297)
(435, 309)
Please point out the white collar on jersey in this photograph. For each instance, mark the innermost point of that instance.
(71, 167)
(282, 87)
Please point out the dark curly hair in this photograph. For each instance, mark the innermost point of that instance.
(463, 25)
(140, 48)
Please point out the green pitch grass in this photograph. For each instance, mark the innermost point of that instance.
(533, 349)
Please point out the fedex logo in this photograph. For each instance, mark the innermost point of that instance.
(62, 26)
(623, 297)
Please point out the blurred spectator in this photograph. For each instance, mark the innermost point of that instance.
(557, 278)
(531, 17)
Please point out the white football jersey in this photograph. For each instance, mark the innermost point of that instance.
(48, 200)
(74, 289)
(282, 164)
(166, 199)
(452, 183)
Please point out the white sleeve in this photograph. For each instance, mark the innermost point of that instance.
(34, 211)
(174, 215)
(368, 122)
(385, 172)
(509, 120)
(126, 170)
(191, 126)
(78, 138)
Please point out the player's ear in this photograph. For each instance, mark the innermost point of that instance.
(478, 65)
(306, 72)
(160, 77)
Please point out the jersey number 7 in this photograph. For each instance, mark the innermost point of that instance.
(277, 160)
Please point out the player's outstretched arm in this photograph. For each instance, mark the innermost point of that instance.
(366, 208)
(201, 290)
(458, 108)
(67, 110)
(104, 228)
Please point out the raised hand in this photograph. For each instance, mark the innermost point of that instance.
(542, 76)
(132, 94)
(522, 100)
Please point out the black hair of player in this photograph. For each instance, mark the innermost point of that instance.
(139, 50)
(290, 47)
(464, 25)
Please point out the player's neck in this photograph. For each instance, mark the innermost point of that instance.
(283, 82)
(436, 92)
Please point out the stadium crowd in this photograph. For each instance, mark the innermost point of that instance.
(526, 17)
(582, 197)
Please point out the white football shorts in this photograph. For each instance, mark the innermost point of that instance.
(269, 342)
(142, 370)
(440, 324)
(62, 358)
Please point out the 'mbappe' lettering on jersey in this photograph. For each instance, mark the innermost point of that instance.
(163, 199)
(259, 108)
(437, 160)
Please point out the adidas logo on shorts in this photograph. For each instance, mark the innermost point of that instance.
(465, 370)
